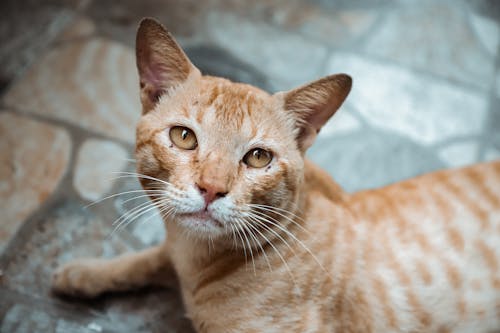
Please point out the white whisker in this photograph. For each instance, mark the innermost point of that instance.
(276, 250)
(117, 194)
(259, 243)
(277, 224)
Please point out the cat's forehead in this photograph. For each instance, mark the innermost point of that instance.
(226, 110)
(231, 104)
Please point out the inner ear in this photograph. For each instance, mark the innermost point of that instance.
(313, 104)
(161, 62)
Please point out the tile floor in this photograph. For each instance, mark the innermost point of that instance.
(426, 96)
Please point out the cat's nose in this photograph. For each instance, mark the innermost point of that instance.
(210, 192)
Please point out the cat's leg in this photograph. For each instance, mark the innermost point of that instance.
(91, 277)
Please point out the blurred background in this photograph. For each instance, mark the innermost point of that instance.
(426, 96)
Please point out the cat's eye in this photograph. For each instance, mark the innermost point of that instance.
(258, 158)
(183, 137)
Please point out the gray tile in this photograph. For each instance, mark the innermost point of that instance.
(415, 35)
(147, 225)
(34, 158)
(212, 60)
(119, 20)
(487, 31)
(369, 159)
(423, 108)
(26, 29)
(458, 154)
(287, 58)
(91, 83)
(97, 165)
(68, 232)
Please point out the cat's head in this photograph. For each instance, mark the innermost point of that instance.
(215, 154)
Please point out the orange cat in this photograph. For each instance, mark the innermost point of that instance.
(261, 240)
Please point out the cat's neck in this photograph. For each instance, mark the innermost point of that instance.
(201, 252)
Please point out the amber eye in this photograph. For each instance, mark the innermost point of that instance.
(258, 158)
(183, 137)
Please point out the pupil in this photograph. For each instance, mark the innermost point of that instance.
(257, 154)
(184, 134)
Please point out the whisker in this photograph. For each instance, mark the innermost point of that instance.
(117, 194)
(271, 209)
(233, 234)
(132, 211)
(259, 244)
(276, 250)
(124, 223)
(277, 224)
(249, 247)
(242, 243)
(277, 209)
(125, 174)
(162, 208)
(144, 196)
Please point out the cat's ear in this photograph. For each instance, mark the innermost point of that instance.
(160, 60)
(313, 104)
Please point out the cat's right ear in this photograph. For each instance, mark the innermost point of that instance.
(161, 63)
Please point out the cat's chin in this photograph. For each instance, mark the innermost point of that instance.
(202, 222)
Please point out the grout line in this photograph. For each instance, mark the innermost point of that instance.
(487, 131)
(80, 313)
(70, 127)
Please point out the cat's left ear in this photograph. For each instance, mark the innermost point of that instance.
(161, 63)
(313, 104)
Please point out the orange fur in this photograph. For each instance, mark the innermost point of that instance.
(422, 255)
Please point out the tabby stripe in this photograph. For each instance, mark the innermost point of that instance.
(460, 194)
(488, 255)
(383, 298)
(480, 181)
(424, 273)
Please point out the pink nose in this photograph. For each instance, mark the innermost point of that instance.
(210, 192)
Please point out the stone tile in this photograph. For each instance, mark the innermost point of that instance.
(460, 154)
(332, 24)
(89, 317)
(414, 35)
(336, 27)
(92, 84)
(425, 109)
(497, 85)
(96, 167)
(370, 159)
(212, 60)
(147, 227)
(26, 33)
(70, 231)
(82, 27)
(287, 58)
(487, 31)
(119, 20)
(486, 8)
(492, 154)
(15, 320)
(341, 123)
(33, 159)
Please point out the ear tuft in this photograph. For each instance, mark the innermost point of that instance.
(314, 103)
(160, 61)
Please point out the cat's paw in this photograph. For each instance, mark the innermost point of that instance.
(81, 278)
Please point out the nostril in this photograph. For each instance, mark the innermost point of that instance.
(201, 189)
(221, 194)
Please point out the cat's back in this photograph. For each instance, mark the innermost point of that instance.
(433, 254)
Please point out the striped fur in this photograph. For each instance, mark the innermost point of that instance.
(422, 255)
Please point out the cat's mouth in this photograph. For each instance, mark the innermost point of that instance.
(203, 217)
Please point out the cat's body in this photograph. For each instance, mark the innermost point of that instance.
(411, 257)
(268, 242)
